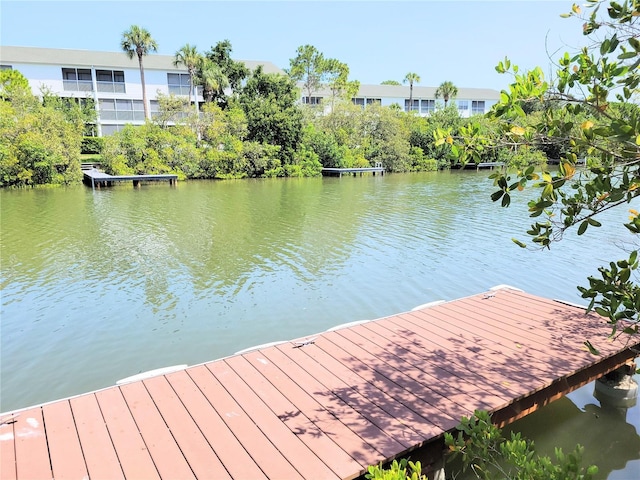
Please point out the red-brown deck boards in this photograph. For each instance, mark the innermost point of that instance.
(229, 450)
(159, 440)
(466, 379)
(127, 442)
(99, 454)
(377, 444)
(353, 397)
(443, 383)
(7, 449)
(266, 455)
(67, 460)
(396, 384)
(377, 395)
(486, 340)
(407, 375)
(524, 322)
(193, 445)
(332, 426)
(338, 393)
(457, 352)
(32, 452)
(298, 423)
(286, 441)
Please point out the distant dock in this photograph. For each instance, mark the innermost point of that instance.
(338, 172)
(483, 165)
(96, 178)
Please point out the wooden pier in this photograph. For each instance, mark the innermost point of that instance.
(483, 165)
(353, 171)
(325, 406)
(97, 178)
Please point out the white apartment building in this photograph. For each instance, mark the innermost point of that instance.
(112, 80)
(469, 101)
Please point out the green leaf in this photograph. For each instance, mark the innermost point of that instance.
(519, 243)
(495, 196)
(583, 227)
(593, 350)
(625, 273)
(627, 55)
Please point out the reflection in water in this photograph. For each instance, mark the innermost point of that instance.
(609, 435)
(100, 285)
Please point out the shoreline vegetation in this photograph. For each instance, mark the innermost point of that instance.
(251, 125)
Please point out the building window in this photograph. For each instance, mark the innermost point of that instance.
(415, 107)
(6, 67)
(477, 106)
(312, 100)
(77, 79)
(121, 110)
(154, 108)
(463, 105)
(366, 101)
(178, 83)
(428, 106)
(111, 81)
(111, 129)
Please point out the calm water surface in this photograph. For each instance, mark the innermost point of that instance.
(97, 286)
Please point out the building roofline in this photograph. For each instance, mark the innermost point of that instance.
(98, 59)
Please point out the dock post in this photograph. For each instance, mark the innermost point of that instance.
(618, 389)
(136, 183)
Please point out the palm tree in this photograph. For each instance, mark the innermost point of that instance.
(189, 57)
(446, 90)
(213, 80)
(411, 78)
(138, 41)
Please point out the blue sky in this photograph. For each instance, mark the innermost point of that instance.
(460, 41)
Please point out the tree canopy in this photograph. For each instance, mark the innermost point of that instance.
(189, 57)
(411, 78)
(308, 67)
(220, 71)
(137, 41)
(589, 109)
(446, 90)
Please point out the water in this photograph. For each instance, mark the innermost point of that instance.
(97, 286)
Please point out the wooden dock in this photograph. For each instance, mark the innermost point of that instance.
(483, 165)
(353, 171)
(324, 407)
(97, 178)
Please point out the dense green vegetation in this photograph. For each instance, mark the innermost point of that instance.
(251, 124)
(590, 111)
(40, 139)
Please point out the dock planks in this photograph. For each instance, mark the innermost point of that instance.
(97, 178)
(329, 171)
(354, 396)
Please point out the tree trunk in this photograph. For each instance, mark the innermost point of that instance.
(194, 90)
(147, 115)
(410, 97)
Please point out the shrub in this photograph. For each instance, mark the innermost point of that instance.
(92, 145)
